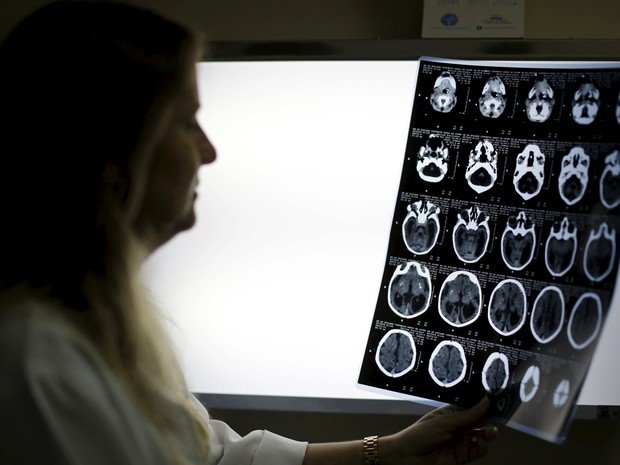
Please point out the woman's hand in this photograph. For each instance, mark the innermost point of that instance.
(442, 437)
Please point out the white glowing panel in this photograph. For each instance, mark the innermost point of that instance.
(273, 292)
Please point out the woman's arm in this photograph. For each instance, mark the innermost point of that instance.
(442, 437)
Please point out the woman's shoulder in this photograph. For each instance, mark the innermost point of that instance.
(57, 391)
(36, 330)
(41, 347)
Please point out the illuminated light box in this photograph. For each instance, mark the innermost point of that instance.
(272, 294)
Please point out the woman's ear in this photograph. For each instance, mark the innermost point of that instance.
(115, 182)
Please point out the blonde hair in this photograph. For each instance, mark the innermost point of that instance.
(130, 333)
(70, 191)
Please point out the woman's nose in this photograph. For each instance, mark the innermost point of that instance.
(207, 151)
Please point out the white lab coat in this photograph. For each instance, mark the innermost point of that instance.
(60, 404)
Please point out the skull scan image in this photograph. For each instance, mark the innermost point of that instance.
(547, 314)
(492, 102)
(443, 97)
(432, 159)
(507, 307)
(529, 172)
(460, 299)
(561, 247)
(409, 292)
(421, 227)
(586, 102)
(518, 242)
(481, 172)
(585, 320)
(448, 364)
(495, 373)
(529, 384)
(600, 251)
(396, 353)
(471, 233)
(609, 187)
(539, 102)
(573, 178)
(561, 393)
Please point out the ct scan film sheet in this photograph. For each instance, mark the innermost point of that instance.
(502, 255)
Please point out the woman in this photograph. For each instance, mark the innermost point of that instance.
(100, 152)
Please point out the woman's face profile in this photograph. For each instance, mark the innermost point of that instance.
(170, 192)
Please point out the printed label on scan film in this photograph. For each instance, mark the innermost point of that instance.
(502, 255)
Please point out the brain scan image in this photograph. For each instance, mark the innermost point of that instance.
(495, 373)
(561, 247)
(573, 178)
(409, 292)
(598, 258)
(547, 314)
(561, 393)
(432, 159)
(481, 172)
(460, 299)
(586, 102)
(471, 233)
(492, 102)
(507, 307)
(540, 101)
(609, 187)
(421, 227)
(448, 364)
(443, 97)
(396, 353)
(529, 384)
(518, 242)
(529, 173)
(618, 109)
(585, 320)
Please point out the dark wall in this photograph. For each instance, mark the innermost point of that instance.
(350, 19)
(590, 442)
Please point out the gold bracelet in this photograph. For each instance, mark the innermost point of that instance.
(371, 450)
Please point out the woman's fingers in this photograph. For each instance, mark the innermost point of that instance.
(454, 419)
